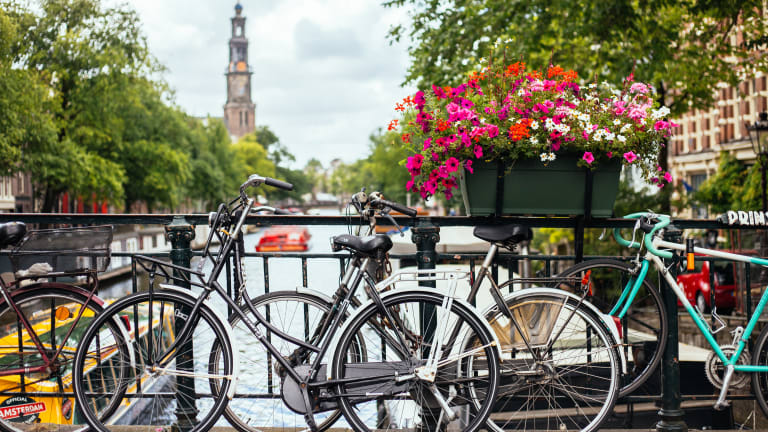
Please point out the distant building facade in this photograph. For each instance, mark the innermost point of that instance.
(239, 111)
(696, 144)
(16, 194)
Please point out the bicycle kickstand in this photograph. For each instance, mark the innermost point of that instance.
(308, 416)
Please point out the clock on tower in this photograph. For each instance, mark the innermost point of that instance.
(239, 111)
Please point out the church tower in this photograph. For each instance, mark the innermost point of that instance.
(239, 111)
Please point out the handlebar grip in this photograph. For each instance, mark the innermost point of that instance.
(399, 207)
(279, 211)
(269, 181)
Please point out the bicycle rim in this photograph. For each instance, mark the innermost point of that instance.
(157, 392)
(559, 369)
(400, 341)
(258, 404)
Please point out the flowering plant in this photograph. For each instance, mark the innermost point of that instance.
(508, 113)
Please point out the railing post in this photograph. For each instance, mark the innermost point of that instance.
(426, 235)
(671, 413)
(180, 234)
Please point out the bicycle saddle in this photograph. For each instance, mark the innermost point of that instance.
(507, 234)
(11, 233)
(369, 245)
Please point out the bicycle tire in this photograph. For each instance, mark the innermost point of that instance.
(34, 302)
(760, 379)
(566, 377)
(258, 403)
(158, 394)
(645, 320)
(467, 379)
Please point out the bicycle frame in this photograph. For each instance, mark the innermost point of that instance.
(635, 282)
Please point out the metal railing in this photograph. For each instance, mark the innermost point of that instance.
(425, 234)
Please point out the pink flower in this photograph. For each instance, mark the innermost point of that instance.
(452, 108)
(409, 185)
(452, 164)
(414, 162)
(638, 88)
(609, 154)
(661, 124)
(630, 156)
(468, 166)
(478, 151)
(431, 186)
(588, 157)
(493, 130)
(439, 92)
(668, 177)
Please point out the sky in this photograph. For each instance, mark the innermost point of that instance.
(324, 75)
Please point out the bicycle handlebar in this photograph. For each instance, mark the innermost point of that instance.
(394, 206)
(650, 228)
(255, 180)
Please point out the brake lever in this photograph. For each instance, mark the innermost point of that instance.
(391, 219)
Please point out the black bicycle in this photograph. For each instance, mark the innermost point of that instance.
(406, 359)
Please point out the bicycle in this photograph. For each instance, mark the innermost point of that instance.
(41, 320)
(187, 368)
(531, 360)
(727, 365)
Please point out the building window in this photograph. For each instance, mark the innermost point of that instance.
(241, 118)
(696, 181)
(246, 118)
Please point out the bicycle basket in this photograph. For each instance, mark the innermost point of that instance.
(64, 250)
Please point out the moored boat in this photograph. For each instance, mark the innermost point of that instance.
(286, 238)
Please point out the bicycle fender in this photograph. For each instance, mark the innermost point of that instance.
(59, 286)
(314, 293)
(398, 291)
(227, 329)
(605, 318)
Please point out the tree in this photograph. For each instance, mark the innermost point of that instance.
(215, 168)
(687, 49)
(88, 56)
(380, 171)
(254, 157)
(733, 186)
(683, 47)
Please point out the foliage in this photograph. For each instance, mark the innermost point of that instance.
(378, 172)
(253, 156)
(506, 112)
(685, 48)
(733, 186)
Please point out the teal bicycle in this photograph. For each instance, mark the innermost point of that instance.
(728, 366)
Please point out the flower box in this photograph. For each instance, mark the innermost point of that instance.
(530, 188)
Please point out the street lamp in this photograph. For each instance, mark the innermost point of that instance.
(758, 136)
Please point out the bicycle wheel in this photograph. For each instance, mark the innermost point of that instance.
(760, 379)
(559, 369)
(160, 392)
(258, 404)
(394, 388)
(52, 310)
(644, 325)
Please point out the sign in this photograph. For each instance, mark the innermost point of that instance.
(748, 218)
(21, 409)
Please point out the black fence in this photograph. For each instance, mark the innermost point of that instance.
(425, 234)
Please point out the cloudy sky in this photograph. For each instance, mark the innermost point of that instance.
(325, 76)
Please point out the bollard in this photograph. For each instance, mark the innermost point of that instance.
(426, 235)
(180, 234)
(671, 414)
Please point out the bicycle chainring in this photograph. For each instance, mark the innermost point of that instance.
(715, 370)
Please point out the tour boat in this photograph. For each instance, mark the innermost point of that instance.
(286, 238)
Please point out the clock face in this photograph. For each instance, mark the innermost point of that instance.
(239, 86)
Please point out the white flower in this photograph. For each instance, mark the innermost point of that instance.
(533, 140)
(534, 125)
(592, 85)
(547, 157)
(521, 92)
(610, 136)
(544, 157)
(621, 138)
(617, 122)
(660, 113)
(625, 128)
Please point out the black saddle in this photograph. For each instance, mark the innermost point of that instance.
(11, 233)
(507, 235)
(369, 246)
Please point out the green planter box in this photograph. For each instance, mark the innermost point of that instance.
(531, 188)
